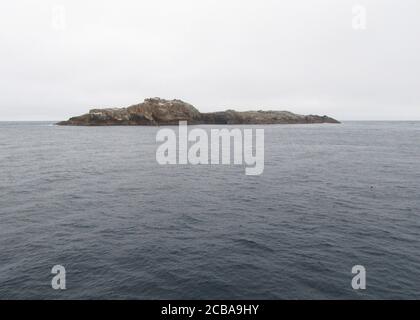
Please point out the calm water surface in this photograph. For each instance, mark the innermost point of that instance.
(96, 201)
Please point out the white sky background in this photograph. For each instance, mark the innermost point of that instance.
(297, 55)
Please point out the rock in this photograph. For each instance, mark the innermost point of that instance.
(156, 111)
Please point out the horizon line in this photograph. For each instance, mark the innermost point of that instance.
(341, 120)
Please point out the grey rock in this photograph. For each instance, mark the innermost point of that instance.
(156, 111)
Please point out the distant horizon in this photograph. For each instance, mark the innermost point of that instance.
(341, 120)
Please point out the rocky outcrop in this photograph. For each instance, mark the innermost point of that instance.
(156, 111)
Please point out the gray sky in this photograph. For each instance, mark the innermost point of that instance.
(61, 58)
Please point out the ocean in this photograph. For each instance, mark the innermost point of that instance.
(95, 200)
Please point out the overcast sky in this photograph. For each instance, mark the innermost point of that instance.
(61, 58)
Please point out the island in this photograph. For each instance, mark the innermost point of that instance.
(156, 112)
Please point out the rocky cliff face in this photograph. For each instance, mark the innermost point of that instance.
(156, 111)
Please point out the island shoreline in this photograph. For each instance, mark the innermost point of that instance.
(161, 112)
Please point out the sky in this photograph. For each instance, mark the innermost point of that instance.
(352, 60)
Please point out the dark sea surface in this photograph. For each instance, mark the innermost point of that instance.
(94, 200)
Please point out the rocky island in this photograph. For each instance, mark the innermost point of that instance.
(156, 111)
